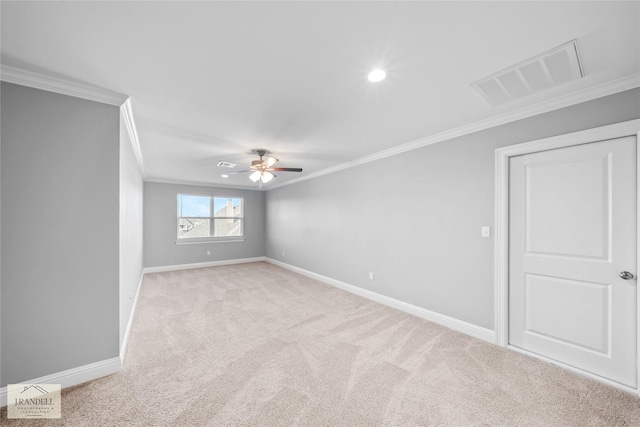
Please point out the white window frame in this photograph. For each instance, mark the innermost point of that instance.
(212, 219)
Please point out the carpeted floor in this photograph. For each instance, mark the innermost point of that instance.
(254, 344)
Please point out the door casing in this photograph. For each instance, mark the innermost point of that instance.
(501, 226)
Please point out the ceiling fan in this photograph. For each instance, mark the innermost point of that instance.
(262, 169)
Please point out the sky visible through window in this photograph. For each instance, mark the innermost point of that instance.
(200, 206)
(196, 219)
(194, 206)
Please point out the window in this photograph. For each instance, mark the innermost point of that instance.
(210, 217)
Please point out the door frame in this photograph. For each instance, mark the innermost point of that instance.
(501, 224)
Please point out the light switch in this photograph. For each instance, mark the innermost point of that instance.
(486, 231)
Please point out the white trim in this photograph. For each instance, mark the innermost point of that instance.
(637, 263)
(79, 90)
(501, 247)
(127, 114)
(57, 85)
(127, 332)
(74, 376)
(164, 268)
(199, 184)
(450, 322)
(210, 240)
(573, 369)
(501, 226)
(598, 91)
(212, 219)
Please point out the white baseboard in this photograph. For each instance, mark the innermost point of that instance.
(164, 268)
(125, 339)
(450, 322)
(74, 376)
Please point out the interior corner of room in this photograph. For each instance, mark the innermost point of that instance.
(418, 225)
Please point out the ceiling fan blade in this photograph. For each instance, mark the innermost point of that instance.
(233, 173)
(286, 169)
(269, 161)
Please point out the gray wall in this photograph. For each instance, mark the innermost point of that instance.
(59, 188)
(160, 222)
(131, 229)
(414, 219)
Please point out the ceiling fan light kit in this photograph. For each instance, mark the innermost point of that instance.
(261, 169)
(255, 176)
(261, 176)
(267, 176)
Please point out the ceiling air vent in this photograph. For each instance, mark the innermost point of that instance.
(226, 164)
(553, 68)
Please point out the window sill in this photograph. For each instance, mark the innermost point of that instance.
(199, 241)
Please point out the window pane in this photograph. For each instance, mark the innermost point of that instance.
(194, 206)
(193, 227)
(227, 206)
(228, 227)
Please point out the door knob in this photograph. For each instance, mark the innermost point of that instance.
(626, 275)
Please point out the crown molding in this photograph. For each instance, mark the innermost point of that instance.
(620, 85)
(158, 180)
(130, 124)
(57, 85)
(78, 90)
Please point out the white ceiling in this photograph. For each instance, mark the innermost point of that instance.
(212, 81)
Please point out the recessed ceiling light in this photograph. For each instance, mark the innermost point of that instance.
(225, 176)
(377, 75)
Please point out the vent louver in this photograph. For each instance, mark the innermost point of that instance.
(226, 165)
(553, 68)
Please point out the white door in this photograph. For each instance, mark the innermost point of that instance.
(572, 231)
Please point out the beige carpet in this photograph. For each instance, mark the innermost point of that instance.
(254, 344)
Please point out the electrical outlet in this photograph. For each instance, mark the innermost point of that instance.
(282, 253)
(486, 231)
(371, 275)
(208, 252)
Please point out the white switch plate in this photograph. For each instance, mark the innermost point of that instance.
(486, 231)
